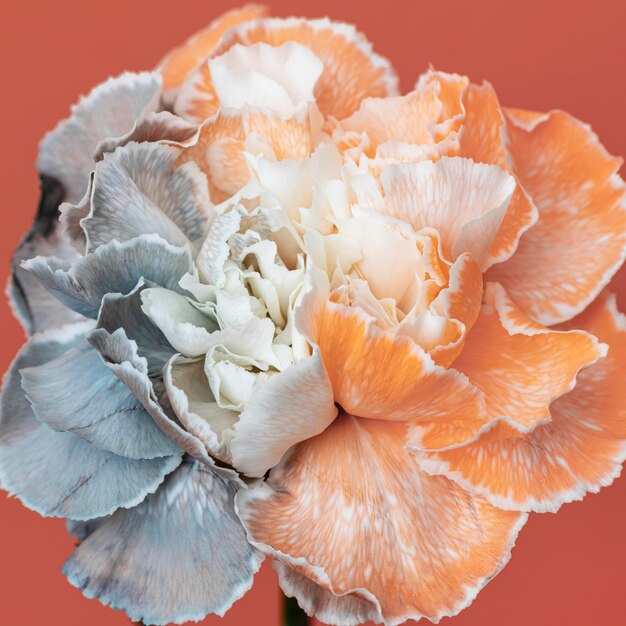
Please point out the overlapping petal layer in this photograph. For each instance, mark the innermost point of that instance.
(420, 547)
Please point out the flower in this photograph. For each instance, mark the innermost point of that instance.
(284, 311)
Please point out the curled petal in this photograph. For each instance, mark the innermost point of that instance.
(141, 188)
(482, 138)
(561, 266)
(377, 374)
(382, 529)
(110, 110)
(463, 200)
(522, 367)
(184, 59)
(33, 305)
(77, 393)
(131, 561)
(352, 71)
(579, 451)
(113, 268)
(57, 473)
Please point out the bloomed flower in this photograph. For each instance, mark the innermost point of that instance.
(386, 308)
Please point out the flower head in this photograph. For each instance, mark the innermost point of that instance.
(285, 311)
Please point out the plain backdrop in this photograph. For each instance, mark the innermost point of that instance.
(567, 569)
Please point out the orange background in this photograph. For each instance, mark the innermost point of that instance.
(567, 569)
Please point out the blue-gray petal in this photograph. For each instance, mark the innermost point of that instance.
(110, 110)
(124, 311)
(178, 556)
(120, 354)
(32, 304)
(78, 393)
(59, 474)
(142, 188)
(82, 530)
(114, 268)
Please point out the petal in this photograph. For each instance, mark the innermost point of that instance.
(56, 473)
(347, 610)
(140, 189)
(352, 71)
(261, 77)
(110, 110)
(522, 369)
(579, 451)
(120, 355)
(33, 305)
(459, 301)
(184, 59)
(132, 560)
(151, 127)
(292, 406)
(463, 200)
(113, 268)
(79, 394)
(579, 242)
(124, 311)
(482, 139)
(379, 375)
(418, 547)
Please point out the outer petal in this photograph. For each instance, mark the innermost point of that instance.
(352, 71)
(522, 368)
(184, 59)
(120, 355)
(140, 189)
(78, 393)
(464, 201)
(113, 268)
(59, 474)
(110, 110)
(579, 242)
(348, 610)
(351, 510)
(132, 561)
(579, 451)
(33, 305)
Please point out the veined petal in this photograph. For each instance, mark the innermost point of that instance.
(140, 188)
(57, 473)
(578, 452)
(352, 71)
(522, 368)
(180, 62)
(110, 110)
(77, 393)
(132, 561)
(382, 528)
(579, 241)
(463, 200)
(113, 268)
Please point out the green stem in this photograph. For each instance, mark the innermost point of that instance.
(293, 615)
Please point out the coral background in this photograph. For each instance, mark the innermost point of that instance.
(539, 54)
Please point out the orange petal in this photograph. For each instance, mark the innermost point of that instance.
(482, 139)
(579, 242)
(459, 301)
(351, 510)
(184, 59)
(221, 143)
(579, 451)
(463, 200)
(352, 71)
(377, 374)
(522, 368)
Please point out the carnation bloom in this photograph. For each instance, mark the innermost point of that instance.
(284, 311)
